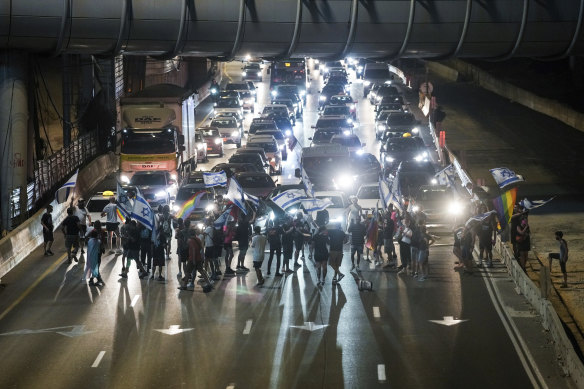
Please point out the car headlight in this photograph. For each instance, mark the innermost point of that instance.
(235, 133)
(366, 82)
(259, 73)
(272, 216)
(210, 208)
(213, 91)
(360, 152)
(173, 177)
(434, 181)
(302, 92)
(281, 147)
(387, 82)
(316, 61)
(349, 120)
(244, 74)
(295, 104)
(124, 179)
(359, 68)
(421, 157)
(175, 208)
(293, 211)
(322, 98)
(352, 106)
(455, 208)
(415, 130)
(200, 147)
(347, 132)
(161, 193)
(274, 93)
(381, 127)
(253, 92)
(200, 226)
(345, 181)
(325, 69)
(415, 208)
(288, 132)
(217, 141)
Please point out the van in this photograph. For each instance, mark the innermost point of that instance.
(375, 73)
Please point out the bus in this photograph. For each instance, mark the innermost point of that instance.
(290, 72)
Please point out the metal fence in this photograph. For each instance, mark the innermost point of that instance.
(49, 174)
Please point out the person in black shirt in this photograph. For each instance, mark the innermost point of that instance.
(301, 229)
(337, 238)
(358, 232)
(242, 235)
(133, 245)
(321, 240)
(47, 223)
(71, 227)
(274, 238)
(287, 245)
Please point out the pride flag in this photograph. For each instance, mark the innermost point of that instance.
(372, 230)
(190, 205)
(504, 206)
(120, 215)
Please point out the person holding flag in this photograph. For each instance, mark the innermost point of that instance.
(111, 224)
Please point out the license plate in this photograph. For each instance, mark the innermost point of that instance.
(209, 148)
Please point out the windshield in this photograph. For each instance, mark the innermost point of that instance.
(148, 179)
(324, 136)
(194, 180)
(432, 195)
(368, 193)
(245, 158)
(404, 144)
(337, 201)
(97, 205)
(276, 134)
(387, 91)
(287, 103)
(252, 66)
(210, 133)
(185, 194)
(332, 89)
(341, 99)
(377, 73)
(337, 80)
(332, 123)
(348, 141)
(255, 181)
(254, 127)
(228, 103)
(325, 165)
(413, 180)
(148, 143)
(340, 110)
(275, 109)
(236, 87)
(401, 120)
(268, 147)
(223, 123)
(287, 89)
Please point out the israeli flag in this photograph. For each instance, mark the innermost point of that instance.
(254, 200)
(235, 194)
(289, 198)
(223, 218)
(384, 193)
(446, 176)
(62, 194)
(307, 183)
(215, 179)
(505, 177)
(479, 218)
(312, 205)
(464, 178)
(125, 205)
(527, 204)
(142, 212)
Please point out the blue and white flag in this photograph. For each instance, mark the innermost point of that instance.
(224, 218)
(289, 198)
(235, 194)
(504, 177)
(384, 193)
(215, 179)
(446, 176)
(479, 218)
(312, 205)
(142, 212)
(527, 204)
(307, 183)
(62, 194)
(124, 203)
(254, 200)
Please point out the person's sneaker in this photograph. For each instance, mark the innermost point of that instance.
(244, 268)
(123, 275)
(69, 261)
(289, 271)
(47, 254)
(219, 272)
(91, 283)
(296, 264)
(334, 280)
(50, 252)
(100, 282)
(82, 251)
(160, 278)
(415, 275)
(190, 286)
(152, 276)
(179, 274)
(142, 275)
(118, 251)
(353, 267)
(422, 279)
(75, 259)
(229, 272)
(358, 270)
(278, 274)
(238, 267)
(402, 271)
(341, 276)
(216, 278)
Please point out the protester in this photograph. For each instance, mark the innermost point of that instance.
(210, 258)
(125, 238)
(466, 247)
(71, 227)
(102, 237)
(195, 261)
(111, 224)
(158, 255)
(321, 240)
(301, 229)
(487, 235)
(242, 235)
(523, 242)
(182, 244)
(145, 247)
(354, 211)
(287, 245)
(165, 222)
(274, 238)
(133, 253)
(94, 247)
(404, 235)
(47, 224)
(562, 256)
(358, 232)
(425, 241)
(258, 243)
(229, 234)
(336, 240)
(389, 248)
(83, 214)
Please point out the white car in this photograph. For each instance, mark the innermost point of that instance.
(337, 211)
(229, 129)
(97, 203)
(351, 142)
(368, 196)
(228, 104)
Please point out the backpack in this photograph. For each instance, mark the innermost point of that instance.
(167, 227)
(198, 256)
(416, 237)
(218, 237)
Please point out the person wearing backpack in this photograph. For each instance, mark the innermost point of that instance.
(145, 247)
(195, 261)
(182, 244)
(166, 222)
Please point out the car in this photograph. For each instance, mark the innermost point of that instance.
(224, 94)
(336, 110)
(375, 73)
(156, 186)
(440, 205)
(213, 139)
(329, 91)
(342, 122)
(195, 179)
(185, 193)
(324, 135)
(255, 150)
(295, 99)
(411, 175)
(339, 79)
(283, 123)
(253, 89)
(338, 210)
(201, 145)
(396, 150)
(399, 123)
(259, 124)
(228, 104)
(248, 98)
(382, 91)
(381, 118)
(386, 100)
(329, 66)
(256, 184)
(286, 89)
(280, 110)
(292, 106)
(366, 168)
(251, 71)
(368, 196)
(236, 115)
(229, 130)
(327, 166)
(97, 203)
(347, 101)
(280, 138)
(253, 158)
(270, 146)
(351, 142)
(231, 169)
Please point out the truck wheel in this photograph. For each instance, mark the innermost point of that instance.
(239, 143)
(221, 154)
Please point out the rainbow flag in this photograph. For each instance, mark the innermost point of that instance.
(504, 206)
(190, 205)
(372, 231)
(120, 216)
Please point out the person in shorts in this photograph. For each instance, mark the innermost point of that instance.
(47, 224)
(112, 224)
(228, 237)
(337, 238)
(487, 235)
(358, 232)
(287, 245)
(562, 256)
(321, 254)
(210, 250)
(71, 228)
(258, 243)
(425, 241)
(83, 214)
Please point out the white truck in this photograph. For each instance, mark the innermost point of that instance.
(157, 129)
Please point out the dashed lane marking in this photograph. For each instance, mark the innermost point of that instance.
(247, 328)
(376, 312)
(98, 359)
(381, 373)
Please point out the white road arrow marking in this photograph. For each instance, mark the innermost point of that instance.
(73, 332)
(173, 330)
(448, 321)
(310, 326)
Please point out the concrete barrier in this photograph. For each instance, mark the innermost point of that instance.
(442, 70)
(21, 241)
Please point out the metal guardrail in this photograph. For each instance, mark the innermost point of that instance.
(48, 175)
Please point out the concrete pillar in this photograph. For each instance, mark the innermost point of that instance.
(13, 127)
(67, 101)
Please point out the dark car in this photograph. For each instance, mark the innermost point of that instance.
(256, 184)
(214, 140)
(231, 169)
(254, 150)
(252, 71)
(385, 91)
(295, 99)
(258, 124)
(329, 91)
(280, 138)
(366, 167)
(283, 123)
(398, 123)
(411, 175)
(385, 101)
(292, 106)
(185, 193)
(324, 135)
(195, 179)
(253, 158)
(342, 122)
(396, 150)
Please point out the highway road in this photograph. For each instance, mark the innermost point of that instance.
(451, 331)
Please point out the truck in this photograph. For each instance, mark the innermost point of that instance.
(157, 131)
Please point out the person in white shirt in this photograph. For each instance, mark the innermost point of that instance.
(210, 255)
(85, 219)
(111, 223)
(258, 244)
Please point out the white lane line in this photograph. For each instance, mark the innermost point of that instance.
(381, 373)
(135, 300)
(98, 359)
(247, 328)
(371, 265)
(376, 312)
(231, 386)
